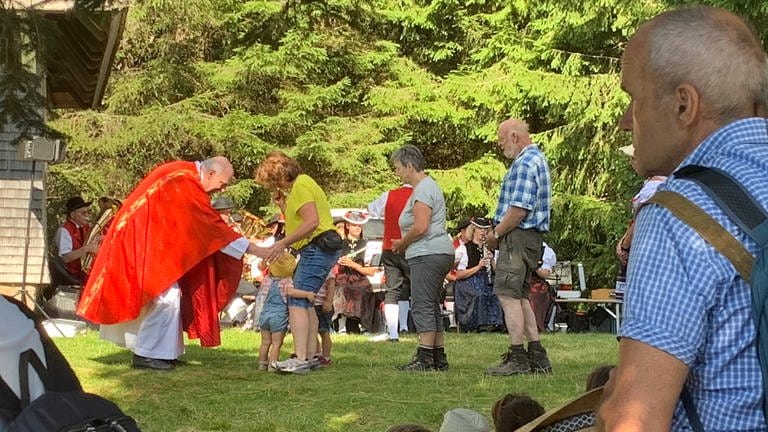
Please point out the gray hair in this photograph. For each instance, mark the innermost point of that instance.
(409, 155)
(216, 163)
(703, 46)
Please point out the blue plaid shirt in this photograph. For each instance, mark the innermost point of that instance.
(685, 298)
(527, 185)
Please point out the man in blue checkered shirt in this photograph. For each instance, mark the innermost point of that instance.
(698, 82)
(522, 218)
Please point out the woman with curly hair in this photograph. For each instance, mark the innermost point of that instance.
(309, 229)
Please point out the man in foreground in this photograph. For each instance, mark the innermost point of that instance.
(168, 262)
(688, 321)
(522, 218)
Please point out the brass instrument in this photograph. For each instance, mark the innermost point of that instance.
(98, 231)
(253, 226)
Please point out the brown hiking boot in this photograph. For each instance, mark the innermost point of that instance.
(538, 360)
(513, 362)
(423, 361)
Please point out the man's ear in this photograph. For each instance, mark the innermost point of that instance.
(688, 103)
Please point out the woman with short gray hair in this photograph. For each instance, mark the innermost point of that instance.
(429, 251)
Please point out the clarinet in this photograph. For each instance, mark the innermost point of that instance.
(488, 267)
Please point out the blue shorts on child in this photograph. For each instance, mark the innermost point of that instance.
(274, 314)
(273, 321)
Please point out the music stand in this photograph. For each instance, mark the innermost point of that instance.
(43, 150)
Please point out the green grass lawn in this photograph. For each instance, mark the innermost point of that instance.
(222, 390)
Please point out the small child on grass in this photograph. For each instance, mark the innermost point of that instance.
(273, 320)
(324, 308)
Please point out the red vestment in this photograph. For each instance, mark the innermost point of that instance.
(166, 231)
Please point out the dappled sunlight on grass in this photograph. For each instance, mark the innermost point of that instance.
(222, 390)
(342, 422)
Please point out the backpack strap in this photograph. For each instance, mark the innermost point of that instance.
(26, 359)
(731, 196)
(708, 228)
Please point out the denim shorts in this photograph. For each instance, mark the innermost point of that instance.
(311, 272)
(273, 320)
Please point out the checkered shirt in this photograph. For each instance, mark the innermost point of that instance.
(685, 298)
(527, 185)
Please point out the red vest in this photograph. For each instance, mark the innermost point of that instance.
(78, 239)
(396, 200)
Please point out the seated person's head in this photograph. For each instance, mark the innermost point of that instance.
(408, 428)
(599, 376)
(513, 411)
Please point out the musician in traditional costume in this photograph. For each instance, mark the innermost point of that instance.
(224, 205)
(354, 298)
(71, 237)
(167, 262)
(476, 307)
(397, 275)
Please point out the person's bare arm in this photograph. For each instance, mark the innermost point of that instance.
(297, 293)
(78, 253)
(463, 274)
(330, 291)
(510, 221)
(543, 273)
(643, 391)
(310, 221)
(356, 266)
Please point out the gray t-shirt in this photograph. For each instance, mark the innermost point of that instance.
(436, 240)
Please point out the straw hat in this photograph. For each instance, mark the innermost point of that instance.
(283, 267)
(579, 414)
(464, 420)
(356, 217)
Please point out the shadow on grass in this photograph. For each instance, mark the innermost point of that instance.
(222, 390)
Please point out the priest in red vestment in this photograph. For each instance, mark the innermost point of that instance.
(168, 262)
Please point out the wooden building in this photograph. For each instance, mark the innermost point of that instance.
(75, 76)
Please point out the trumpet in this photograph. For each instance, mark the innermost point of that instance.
(253, 226)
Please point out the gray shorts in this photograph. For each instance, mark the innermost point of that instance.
(427, 275)
(519, 253)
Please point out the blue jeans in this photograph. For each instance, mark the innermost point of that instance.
(311, 272)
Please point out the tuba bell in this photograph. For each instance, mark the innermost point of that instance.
(253, 226)
(99, 230)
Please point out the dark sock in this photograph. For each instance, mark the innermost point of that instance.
(516, 347)
(534, 344)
